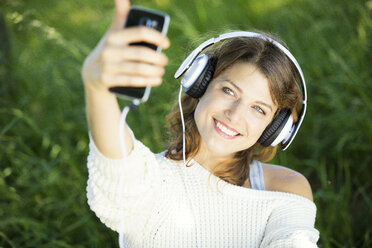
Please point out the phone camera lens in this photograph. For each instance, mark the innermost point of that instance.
(148, 22)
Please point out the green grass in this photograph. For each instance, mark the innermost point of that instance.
(43, 133)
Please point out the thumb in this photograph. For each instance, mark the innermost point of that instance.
(121, 12)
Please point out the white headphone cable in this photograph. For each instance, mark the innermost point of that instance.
(183, 127)
(184, 161)
(123, 117)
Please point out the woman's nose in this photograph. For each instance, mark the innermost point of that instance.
(235, 111)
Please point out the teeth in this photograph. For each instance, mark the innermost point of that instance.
(225, 130)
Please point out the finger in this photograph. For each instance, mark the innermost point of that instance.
(134, 54)
(134, 68)
(121, 13)
(111, 80)
(138, 34)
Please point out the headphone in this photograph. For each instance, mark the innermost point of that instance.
(198, 69)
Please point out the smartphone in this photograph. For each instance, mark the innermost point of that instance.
(139, 16)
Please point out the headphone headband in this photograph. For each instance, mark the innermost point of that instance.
(191, 58)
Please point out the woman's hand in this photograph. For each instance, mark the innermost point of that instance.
(113, 62)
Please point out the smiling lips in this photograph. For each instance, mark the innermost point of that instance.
(224, 130)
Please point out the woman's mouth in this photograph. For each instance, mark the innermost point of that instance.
(224, 130)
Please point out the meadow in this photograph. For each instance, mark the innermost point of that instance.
(43, 131)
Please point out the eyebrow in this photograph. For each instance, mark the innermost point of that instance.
(240, 90)
(265, 104)
(233, 84)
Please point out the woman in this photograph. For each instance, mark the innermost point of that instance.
(224, 197)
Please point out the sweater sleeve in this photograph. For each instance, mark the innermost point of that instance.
(138, 175)
(291, 225)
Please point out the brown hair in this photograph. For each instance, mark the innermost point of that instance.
(284, 90)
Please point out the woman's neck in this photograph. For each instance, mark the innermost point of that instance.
(208, 159)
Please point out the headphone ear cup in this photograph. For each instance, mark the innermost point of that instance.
(274, 129)
(198, 88)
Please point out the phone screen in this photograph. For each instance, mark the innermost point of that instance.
(142, 17)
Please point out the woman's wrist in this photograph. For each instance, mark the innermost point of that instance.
(98, 91)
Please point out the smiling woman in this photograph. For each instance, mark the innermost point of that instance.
(241, 100)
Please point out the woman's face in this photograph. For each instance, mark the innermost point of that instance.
(234, 111)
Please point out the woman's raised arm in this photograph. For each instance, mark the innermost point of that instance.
(113, 62)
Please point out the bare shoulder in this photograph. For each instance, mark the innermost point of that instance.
(283, 179)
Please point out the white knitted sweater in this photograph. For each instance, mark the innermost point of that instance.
(165, 204)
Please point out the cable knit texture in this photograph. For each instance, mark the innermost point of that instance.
(165, 204)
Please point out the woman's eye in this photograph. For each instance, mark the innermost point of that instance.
(260, 110)
(227, 91)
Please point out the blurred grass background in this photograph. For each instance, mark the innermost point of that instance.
(43, 133)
